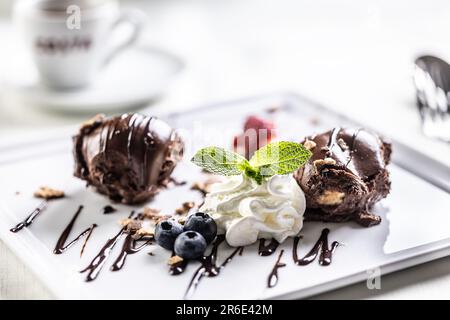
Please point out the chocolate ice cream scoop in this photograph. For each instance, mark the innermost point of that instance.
(128, 157)
(345, 176)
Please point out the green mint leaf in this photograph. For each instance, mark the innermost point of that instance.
(220, 161)
(254, 174)
(281, 157)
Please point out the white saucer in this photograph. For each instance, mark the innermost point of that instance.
(134, 78)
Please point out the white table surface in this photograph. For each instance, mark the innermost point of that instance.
(354, 56)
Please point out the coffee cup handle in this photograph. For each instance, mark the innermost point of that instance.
(134, 18)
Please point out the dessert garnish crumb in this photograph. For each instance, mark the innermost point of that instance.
(323, 162)
(92, 121)
(131, 225)
(48, 193)
(204, 186)
(174, 260)
(143, 232)
(309, 144)
(154, 214)
(342, 144)
(185, 207)
(151, 213)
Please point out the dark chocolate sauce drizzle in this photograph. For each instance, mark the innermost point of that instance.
(264, 250)
(86, 240)
(321, 245)
(238, 250)
(177, 182)
(209, 267)
(29, 220)
(128, 247)
(61, 245)
(272, 280)
(99, 260)
(109, 209)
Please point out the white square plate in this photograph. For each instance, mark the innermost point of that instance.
(415, 226)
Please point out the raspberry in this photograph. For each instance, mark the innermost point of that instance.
(257, 133)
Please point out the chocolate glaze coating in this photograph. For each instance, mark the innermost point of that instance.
(345, 176)
(128, 157)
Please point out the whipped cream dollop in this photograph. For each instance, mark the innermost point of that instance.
(246, 211)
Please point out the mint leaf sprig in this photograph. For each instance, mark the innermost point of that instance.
(282, 157)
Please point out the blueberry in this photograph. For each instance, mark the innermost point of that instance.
(203, 224)
(166, 232)
(190, 245)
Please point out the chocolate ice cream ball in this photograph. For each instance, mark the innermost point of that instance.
(128, 157)
(345, 176)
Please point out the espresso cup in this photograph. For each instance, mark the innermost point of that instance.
(70, 41)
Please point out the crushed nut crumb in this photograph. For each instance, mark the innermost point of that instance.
(48, 193)
(143, 233)
(174, 260)
(326, 161)
(151, 213)
(131, 225)
(204, 186)
(162, 218)
(342, 144)
(182, 220)
(309, 144)
(185, 208)
(331, 198)
(92, 121)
